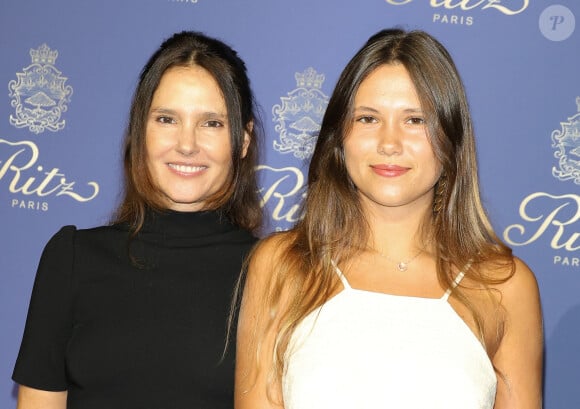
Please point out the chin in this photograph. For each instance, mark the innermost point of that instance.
(183, 203)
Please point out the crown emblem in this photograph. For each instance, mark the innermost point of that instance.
(299, 115)
(309, 79)
(567, 144)
(39, 94)
(43, 55)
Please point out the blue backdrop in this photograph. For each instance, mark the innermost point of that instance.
(68, 69)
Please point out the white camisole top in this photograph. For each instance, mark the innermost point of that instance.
(364, 349)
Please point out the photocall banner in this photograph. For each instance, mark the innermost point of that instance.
(68, 70)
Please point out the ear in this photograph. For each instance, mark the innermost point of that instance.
(247, 139)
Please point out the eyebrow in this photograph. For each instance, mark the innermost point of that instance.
(376, 111)
(414, 110)
(168, 111)
(162, 110)
(367, 109)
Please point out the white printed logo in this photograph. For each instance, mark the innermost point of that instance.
(299, 116)
(40, 95)
(567, 143)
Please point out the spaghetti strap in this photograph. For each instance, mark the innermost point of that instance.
(342, 277)
(454, 284)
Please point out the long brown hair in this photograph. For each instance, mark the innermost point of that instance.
(238, 200)
(334, 228)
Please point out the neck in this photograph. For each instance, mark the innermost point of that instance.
(398, 231)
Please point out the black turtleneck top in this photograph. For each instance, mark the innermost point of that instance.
(138, 323)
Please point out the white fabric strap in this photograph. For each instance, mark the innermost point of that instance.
(454, 284)
(341, 276)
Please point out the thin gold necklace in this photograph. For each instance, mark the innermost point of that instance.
(403, 265)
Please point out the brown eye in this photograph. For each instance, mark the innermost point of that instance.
(366, 119)
(162, 119)
(214, 124)
(416, 121)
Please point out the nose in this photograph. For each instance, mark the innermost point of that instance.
(389, 140)
(187, 141)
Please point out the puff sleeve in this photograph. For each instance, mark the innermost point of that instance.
(41, 362)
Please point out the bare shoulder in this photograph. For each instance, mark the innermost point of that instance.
(264, 258)
(273, 244)
(519, 357)
(521, 287)
(520, 298)
(269, 251)
(257, 326)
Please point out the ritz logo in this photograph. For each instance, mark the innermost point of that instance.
(298, 119)
(466, 5)
(556, 215)
(284, 194)
(40, 95)
(446, 17)
(18, 160)
(299, 116)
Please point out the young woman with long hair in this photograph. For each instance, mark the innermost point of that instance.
(393, 291)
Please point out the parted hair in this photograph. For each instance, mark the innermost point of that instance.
(334, 228)
(237, 200)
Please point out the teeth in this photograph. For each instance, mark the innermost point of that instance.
(186, 169)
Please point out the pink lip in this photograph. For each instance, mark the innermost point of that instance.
(389, 170)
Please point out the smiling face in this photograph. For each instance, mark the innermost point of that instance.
(188, 139)
(387, 150)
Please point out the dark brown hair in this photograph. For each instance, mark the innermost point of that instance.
(238, 200)
(334, 227)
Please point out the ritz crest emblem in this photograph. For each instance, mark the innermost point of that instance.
(299, 116)
(39, 96)
(567, 144)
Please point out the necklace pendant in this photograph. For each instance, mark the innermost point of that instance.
(402, 266)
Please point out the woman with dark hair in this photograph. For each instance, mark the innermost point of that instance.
(133, 315)
(393, 291)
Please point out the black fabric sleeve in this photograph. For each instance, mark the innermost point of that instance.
(41, 360)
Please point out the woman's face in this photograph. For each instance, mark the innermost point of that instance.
(188, 138)
(387, 150)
